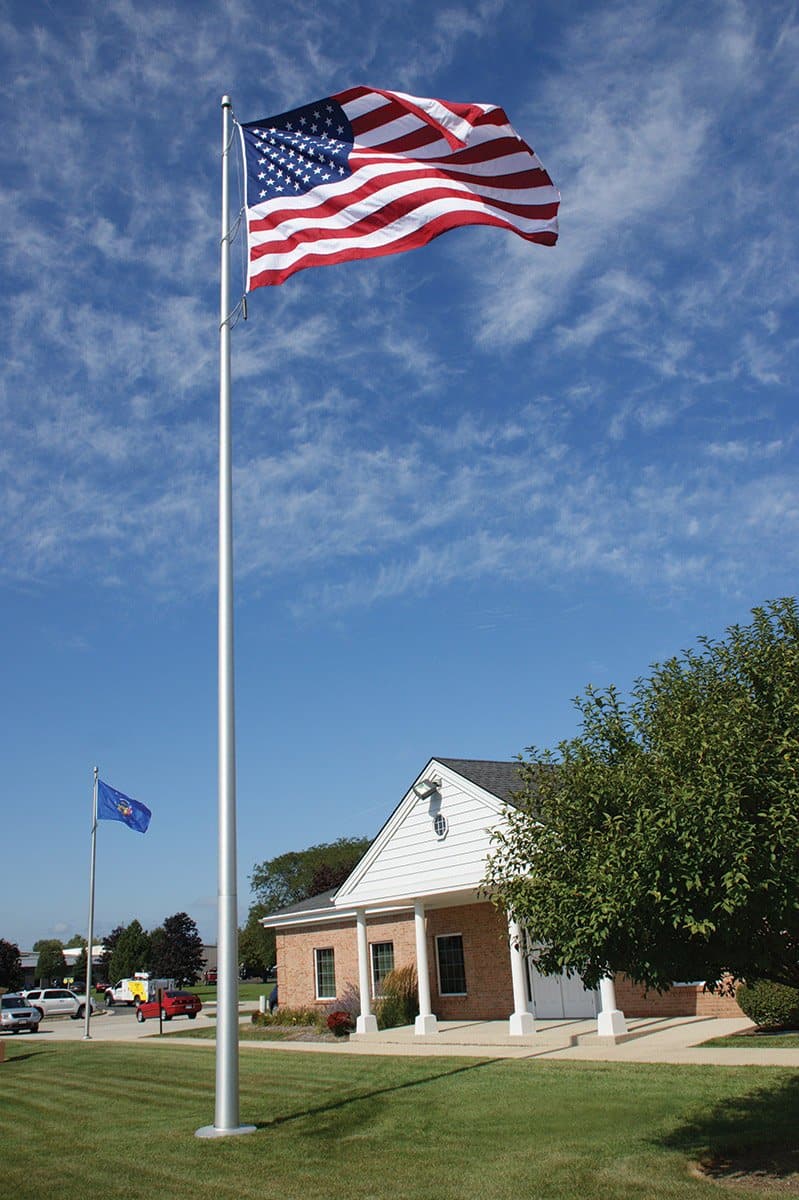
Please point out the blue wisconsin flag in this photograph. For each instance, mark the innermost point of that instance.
(115, 806)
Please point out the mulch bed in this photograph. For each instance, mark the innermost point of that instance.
(770, 1170)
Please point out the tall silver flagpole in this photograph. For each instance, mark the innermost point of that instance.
(226, 1114)
(87, 1016)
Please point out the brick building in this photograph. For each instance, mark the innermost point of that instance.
(415, 898)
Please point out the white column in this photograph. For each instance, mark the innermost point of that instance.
(522, 1021)
(426, 1022)
(366, 1022)
(610, 1022)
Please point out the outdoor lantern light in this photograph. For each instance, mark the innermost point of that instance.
(425, 787)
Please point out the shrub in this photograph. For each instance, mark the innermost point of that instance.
(399, 1003)
(769, 1005)
(340, 1023)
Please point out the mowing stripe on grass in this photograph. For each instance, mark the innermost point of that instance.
(117, 1122)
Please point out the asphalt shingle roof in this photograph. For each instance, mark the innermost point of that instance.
(499, 778)
(323, 900)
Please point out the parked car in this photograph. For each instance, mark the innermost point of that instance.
(175, 1004)
(57, 1001)
(17, 1014)
(210, 976)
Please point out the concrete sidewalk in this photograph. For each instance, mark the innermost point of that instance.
(649, 1040)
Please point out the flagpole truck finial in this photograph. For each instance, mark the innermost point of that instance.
(226, 102)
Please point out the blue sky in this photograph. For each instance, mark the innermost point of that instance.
(469, 480)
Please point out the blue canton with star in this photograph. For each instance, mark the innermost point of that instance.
(296, 151)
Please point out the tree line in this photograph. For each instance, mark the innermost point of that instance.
(173, 950)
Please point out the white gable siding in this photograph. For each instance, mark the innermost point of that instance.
(409, 860)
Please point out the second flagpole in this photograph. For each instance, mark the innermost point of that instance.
(88, 1008)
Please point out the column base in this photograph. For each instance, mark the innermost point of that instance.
(366, 1024)
(611, 1023)
(521, 1024)
(426, 1024)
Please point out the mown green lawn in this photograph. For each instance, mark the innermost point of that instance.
(247, 991)
(104, 1121)
(772, 1041)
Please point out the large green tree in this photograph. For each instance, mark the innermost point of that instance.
(40, 943)
(10, 966)
(51, 964)
(110, 942)
(298, 874)
(78, 939)
(80, 966)
(662, 840)
(131, 952)
(77, 969)
(176, 949)
(256, 944)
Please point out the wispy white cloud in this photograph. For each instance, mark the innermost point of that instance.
(525, 414)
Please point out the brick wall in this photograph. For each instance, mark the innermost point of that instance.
(487, 963)
(485, 949)
(687, 1001)
(486, 955)
(296, 958)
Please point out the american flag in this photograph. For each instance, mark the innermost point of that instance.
(368, 172)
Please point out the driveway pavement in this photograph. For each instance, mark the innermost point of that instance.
(661, 1040)
(107, 1025)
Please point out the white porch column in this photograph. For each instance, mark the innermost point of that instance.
(610, 1021)
(426, 1022)
(366, 1022)
(522, 1021)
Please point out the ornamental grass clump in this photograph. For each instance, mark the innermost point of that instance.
(307, 1017)
(399, 1003)
(349, 1002)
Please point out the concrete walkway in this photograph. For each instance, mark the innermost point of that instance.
(654, 1040)
(649, 1040)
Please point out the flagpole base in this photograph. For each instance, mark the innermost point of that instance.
(211, 1131)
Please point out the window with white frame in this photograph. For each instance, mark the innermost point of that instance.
(325, 965)
(382, 963)
(451, 966)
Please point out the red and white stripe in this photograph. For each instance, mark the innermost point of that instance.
(419, 167)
